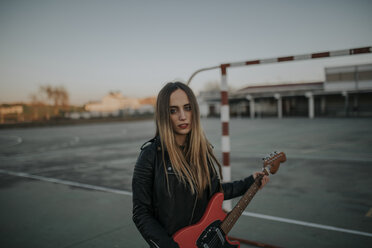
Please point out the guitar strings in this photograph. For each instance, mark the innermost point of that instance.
(214, 240)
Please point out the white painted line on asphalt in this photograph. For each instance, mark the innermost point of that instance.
(123, 192)
(65, 182)
(308, 224)
(75, 140)
(17, 140)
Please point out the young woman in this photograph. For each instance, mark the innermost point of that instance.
(175, 174)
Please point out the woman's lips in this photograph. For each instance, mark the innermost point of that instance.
(183, 126)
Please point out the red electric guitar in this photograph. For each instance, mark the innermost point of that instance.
(211, 231)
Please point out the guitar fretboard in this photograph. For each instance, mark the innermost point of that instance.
(237, 211)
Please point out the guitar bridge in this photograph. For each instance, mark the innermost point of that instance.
(219, 233)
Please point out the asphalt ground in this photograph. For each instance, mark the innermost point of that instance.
(70, 186)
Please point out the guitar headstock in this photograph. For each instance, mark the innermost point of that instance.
(273, 161)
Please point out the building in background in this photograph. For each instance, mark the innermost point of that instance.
(115, 104)
(346, 92)
(11, 113)
(209, 103)
(349, 90)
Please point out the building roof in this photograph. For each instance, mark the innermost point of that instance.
(283, 89)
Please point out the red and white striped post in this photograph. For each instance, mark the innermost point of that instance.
(225, 142)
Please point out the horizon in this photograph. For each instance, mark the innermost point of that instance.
(29, 102)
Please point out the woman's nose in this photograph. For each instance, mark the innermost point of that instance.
(182, 115)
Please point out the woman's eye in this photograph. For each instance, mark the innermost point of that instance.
(188, 108)
(173, 111)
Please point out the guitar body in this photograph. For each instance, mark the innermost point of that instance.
(207, 232)
(211, 230)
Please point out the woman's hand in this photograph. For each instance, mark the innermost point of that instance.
(264, 180)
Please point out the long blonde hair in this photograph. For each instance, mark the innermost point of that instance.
(194, 163)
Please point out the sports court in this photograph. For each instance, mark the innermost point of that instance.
(70, 186)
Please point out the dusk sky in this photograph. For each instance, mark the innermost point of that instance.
(93, 47)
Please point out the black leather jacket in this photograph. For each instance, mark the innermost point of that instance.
(159, 211)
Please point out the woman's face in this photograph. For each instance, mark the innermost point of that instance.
(180, 115)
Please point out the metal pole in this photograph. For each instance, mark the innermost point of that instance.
(203, 69)
(335, 53)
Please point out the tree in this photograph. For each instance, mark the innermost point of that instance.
(57, 97)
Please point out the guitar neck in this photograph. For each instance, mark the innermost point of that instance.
(237, 211)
